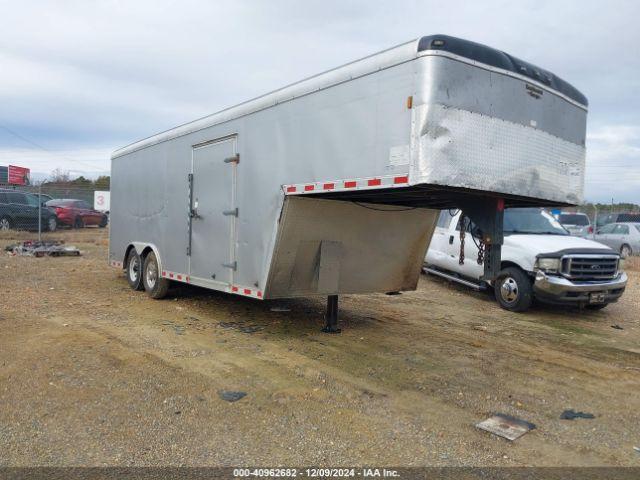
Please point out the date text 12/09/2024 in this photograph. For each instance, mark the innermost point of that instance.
(316, 472)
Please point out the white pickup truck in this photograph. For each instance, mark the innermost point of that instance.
(539, 259)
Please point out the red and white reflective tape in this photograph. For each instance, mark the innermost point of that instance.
(114, 263)
(391, 181)
(179, 277)
(247, 292)
(237, 289)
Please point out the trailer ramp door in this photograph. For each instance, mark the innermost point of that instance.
(213, 211)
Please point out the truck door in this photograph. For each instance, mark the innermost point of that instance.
(213, 211)
(438, 252)
(470, 267)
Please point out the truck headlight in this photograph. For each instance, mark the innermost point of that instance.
(550, 265)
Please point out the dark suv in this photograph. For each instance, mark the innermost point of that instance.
(19, 210)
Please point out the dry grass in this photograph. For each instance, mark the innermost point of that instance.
(97, 236)
(632, 263)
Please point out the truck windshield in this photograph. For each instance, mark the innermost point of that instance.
(531, 221)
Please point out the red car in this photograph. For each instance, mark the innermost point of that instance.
(77, 213)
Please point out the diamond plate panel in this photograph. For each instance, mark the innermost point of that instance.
(460, 148)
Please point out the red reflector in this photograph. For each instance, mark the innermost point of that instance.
(171, 275)
(234, 289)
(291, 189)
(350, 184)
(260, 294)
(374, 182)
(500, 206)
(186, 279)
(308, 188)
(247, 291)
(164, 274)
(404, 179)
(328, 186)
(179, 277)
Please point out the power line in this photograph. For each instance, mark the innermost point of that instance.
(31, 142)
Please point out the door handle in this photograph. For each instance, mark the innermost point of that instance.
(194, 211)
(451, 239)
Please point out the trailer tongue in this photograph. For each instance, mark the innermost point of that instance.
(332, 185)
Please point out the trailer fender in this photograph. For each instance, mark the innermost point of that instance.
(143, 248)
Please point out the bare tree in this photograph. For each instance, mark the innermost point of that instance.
(59, 176)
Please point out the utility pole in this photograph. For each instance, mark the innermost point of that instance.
(40, 213)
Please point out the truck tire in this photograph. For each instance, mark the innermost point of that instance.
(155, 285)
(513, 290)
(133, 270)
(78, 223)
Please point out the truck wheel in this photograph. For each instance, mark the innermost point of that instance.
(78, 223)
(154, 284)
(134, 270)
(5, 223)
(625, 251)
(513, 290)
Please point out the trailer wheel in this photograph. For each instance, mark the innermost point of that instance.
(133, 270)
(154, 284)
(513, 290)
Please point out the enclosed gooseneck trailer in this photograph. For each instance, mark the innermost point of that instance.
(331, 185)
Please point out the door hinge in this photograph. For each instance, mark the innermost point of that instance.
(232, 265)
(188, 251)
(233, 212)
(234, 159)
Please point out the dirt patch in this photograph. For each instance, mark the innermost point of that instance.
(93, 373)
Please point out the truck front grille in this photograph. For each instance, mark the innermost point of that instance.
(587, 267)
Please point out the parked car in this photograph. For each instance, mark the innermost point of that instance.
(539, 259)
(577, 224)
(622, 237)
(19, 210)
(77, 213)
(617, 218)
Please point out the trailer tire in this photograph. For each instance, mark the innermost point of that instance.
(155, 285)
(513, 290)
(133, 269)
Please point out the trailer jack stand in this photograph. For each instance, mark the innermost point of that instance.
(332, 315)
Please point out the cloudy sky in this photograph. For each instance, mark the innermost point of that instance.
(80, 78)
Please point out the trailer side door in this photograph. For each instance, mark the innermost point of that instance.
(213, 211)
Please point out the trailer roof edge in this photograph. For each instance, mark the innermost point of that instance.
(434, 44)
(364, 66)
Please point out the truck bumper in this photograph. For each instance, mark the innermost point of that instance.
(562, 290)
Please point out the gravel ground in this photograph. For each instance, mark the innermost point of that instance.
(92, 373)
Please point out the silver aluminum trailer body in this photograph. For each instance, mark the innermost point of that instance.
(329, 185)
